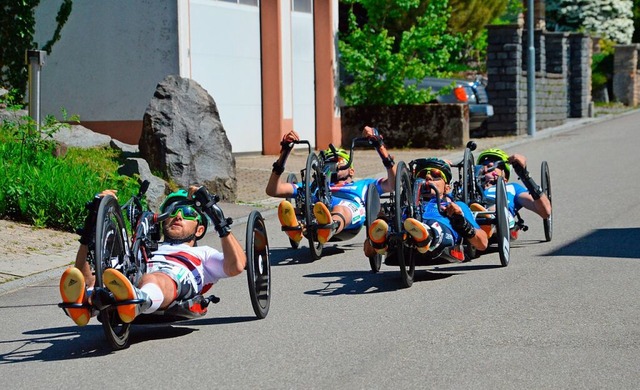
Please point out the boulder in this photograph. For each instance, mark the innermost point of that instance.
(157, 187)
(183, 138)
(81, 137)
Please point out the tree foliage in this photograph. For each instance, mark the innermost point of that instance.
(610, 19)
(397, 40)
(17, 27)
(474, 15)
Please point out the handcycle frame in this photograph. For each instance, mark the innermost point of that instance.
(111, 248)
(316, 185)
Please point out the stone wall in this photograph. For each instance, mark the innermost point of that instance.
(562, 78)
(435, 126)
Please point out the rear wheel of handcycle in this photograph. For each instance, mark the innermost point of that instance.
(258, 265)
(312, 179)
(502, 220)
(402, 200)
(111, 245)
(546, 188)
(372, 209)
(291, 178)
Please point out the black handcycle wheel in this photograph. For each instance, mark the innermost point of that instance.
(502, 220)
(111, 251)
(402, 200)
(546, 188)
(372, 209)
(313, 183)
(468, 178)
(292, 179)
(258, 265)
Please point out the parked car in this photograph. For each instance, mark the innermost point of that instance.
(464, 91)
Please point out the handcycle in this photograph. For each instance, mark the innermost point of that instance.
(469, 189)
(315, 186)
(112, 248)
(408, 201)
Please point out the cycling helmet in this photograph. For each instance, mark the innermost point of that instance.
(496, 155)
(331, 156)
(182, 196)
(422, 164)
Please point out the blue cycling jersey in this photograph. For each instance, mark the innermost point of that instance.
(351, 195)
(431, 214)
(513, 193)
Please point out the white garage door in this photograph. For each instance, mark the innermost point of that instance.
(225, 59)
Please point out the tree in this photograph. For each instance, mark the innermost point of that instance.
(474, 15)
(17, 26)
(610, 19)
(395, 41)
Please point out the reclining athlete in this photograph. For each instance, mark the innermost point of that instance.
(178, 269)
(496, 163)
(432, 232)
(346, 213)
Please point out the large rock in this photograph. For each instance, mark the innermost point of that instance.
(183, 138)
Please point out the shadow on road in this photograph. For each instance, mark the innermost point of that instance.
(613, 242)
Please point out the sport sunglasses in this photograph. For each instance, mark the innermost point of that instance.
(435, 173)
(188, 212)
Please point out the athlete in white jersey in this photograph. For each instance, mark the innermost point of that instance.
(178, 270)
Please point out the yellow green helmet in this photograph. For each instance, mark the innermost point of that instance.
(331, 156)
(495, 155)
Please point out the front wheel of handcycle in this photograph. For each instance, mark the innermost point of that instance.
(313, 183)
(111, 251)
(292, 179)
(546, 188)
(502, 220)
(258, 265)
(402, 200)
(372, 209)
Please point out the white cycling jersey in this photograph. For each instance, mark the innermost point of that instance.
(194, 269)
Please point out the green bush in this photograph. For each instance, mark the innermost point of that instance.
(38, 188)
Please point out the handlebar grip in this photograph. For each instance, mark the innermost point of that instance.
(143, 188)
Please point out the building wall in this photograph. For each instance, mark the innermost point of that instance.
(270, 68)
(109, 59)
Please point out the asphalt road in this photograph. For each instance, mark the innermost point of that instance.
(563, 314)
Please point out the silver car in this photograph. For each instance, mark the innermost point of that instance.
(464, 91)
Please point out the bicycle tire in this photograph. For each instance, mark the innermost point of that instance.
(402, 199)
(312, 184)
(292, 179)
(111, 243)
(546, 188)
(258, 265)
(502, 220)
(372, 209)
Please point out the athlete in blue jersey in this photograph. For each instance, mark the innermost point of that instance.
(432, 231)
(346, 213)
(495, 163)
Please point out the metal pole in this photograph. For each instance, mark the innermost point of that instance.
(35, 60)
(531, 74)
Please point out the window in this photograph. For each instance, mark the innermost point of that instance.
(302, 6)
(254, 3)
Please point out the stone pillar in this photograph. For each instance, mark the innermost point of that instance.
(580, 55)
(625, 65)
(504, 70)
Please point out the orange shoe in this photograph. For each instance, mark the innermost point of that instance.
(287, 217)
(123, 290)
(72, 290)
(378, 236)
(419, 232)
(323, 216)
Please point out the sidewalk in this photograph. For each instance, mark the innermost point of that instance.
(36, 255)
